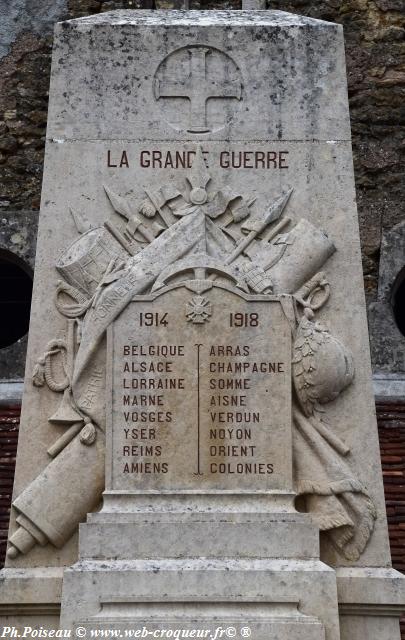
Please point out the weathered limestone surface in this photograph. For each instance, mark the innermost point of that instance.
(198, 195)
(374, 46)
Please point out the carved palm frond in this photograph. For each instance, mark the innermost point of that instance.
(310, 337)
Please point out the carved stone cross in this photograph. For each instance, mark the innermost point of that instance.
(198, 88)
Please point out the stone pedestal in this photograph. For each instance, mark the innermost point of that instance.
(202, 560)
(198, 386)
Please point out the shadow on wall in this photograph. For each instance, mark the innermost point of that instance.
(17, 255)
(387, 314)
(398, 300)
(15, 298)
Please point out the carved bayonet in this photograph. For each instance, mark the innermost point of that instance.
(255, 225)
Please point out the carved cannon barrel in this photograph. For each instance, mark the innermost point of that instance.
(307, 248)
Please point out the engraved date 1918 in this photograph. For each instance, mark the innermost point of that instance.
(243, 319)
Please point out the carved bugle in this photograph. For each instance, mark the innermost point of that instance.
(307, 248)
(51, 507)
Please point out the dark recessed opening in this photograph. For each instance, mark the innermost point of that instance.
(398, 301)
(15, 298)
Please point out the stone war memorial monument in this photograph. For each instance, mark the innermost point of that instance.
(198, 452)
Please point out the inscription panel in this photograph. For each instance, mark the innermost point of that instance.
(200, 391)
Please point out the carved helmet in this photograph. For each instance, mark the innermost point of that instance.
(322, 367)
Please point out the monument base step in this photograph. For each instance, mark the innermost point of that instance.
(207, 620)
(371, 601)
(275, 598)
(30, 598)
(124, 536)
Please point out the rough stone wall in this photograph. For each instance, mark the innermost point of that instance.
(375, 48)
(375, 53)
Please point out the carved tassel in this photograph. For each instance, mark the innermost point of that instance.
(38, 375)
